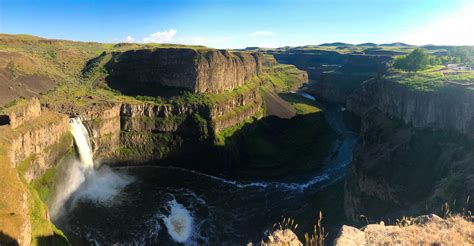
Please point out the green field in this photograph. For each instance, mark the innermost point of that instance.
(432, 78)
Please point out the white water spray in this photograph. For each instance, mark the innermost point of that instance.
(179, 223)
(81, 137)
(81, 181)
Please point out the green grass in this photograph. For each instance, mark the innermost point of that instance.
(302, 104)
(41, 227)
(64, 60)
(221, 137)
(432, 78)
(284, 77)
(241, 90)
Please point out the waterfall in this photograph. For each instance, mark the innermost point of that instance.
(81, 137)
(79, 179)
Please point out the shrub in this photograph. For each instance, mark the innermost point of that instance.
(415, 61)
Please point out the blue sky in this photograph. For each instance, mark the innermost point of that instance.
(238, 24)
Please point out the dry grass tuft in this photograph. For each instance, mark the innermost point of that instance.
(319, 234)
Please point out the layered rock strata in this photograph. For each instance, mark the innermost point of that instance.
(199, 70)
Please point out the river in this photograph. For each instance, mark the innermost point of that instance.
(170, 205)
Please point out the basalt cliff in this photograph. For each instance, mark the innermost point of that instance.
(199, 70)
(414, 151)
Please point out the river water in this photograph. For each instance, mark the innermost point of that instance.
(170, 205)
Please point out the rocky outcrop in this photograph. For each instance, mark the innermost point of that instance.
(282, 237)
(235, 109)
(41, 145)
(450, 107)
(199, 70)
(422, 230)
(22, 112)
(239, 115)
(36, 137)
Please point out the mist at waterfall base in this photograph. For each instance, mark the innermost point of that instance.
(167, 205)
(79, 180)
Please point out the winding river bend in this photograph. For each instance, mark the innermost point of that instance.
(169, 205)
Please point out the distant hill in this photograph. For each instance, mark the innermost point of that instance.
(252, 48)
(368, 44)
(396, 44)
(336, 44)
(19, 36)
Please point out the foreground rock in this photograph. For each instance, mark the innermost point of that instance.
(422, 230)
(282, 237)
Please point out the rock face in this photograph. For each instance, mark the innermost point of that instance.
(28, 147)
(451, 107)
(140, 131)
(33, 134)
(282, 237)
(199, 70)
(422, 230)
(414, 152)
(398, 170)
(336, 86)
(236, 109)
(44, 145)
(20, 113)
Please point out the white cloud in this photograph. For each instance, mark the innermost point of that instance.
(161, 37)
(261, 33)
(454, 29)
(129, 39)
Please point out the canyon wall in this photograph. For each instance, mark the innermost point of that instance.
(311, 61)
(398, 170)
(199, 70)
(414, 152)
(33, 143)
(333, 75)
(137, 132)
(448, 108)
(336, 86)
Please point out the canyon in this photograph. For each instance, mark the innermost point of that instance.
(192, 123)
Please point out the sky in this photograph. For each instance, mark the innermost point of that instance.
(244, 23)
